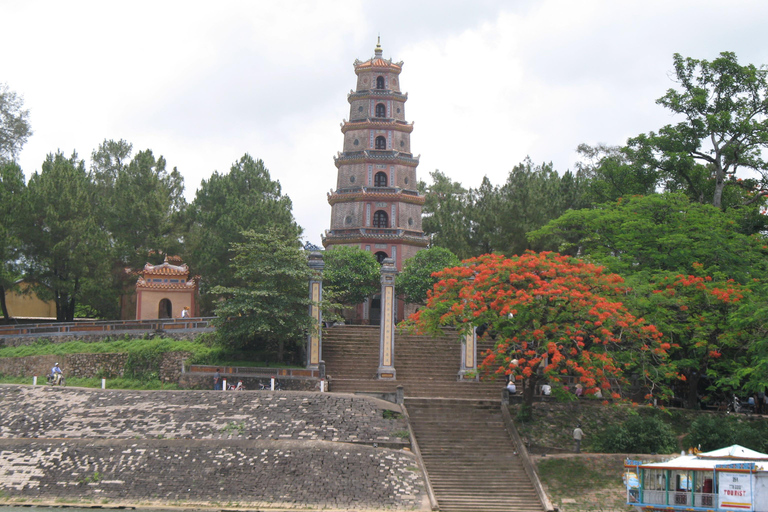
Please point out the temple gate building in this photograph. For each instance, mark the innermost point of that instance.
(376, 205)
(165, 290)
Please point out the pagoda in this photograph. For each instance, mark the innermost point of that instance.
(376, 205)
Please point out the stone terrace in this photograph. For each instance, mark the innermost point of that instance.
(256, 448)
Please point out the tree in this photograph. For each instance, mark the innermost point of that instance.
(351, 275)
(660, 232)
(417, 278)
(613, 172)
(268, 306)
(66, 249)
(552, 316)
(698, 315)
(14, 124)
(724, 130)
(446, 218)
(225, 206)
(142, 209)
(532, 196)
(12, 190)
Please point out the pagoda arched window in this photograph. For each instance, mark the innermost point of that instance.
(380, 180)
(380, 82)
(381, 142)
(380, 257)
(381, 110)
(380, 219)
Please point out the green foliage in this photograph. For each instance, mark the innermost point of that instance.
(713, 432)
(233, 428)
(200, 351)
(532, 196)
(611, 173)
(660, 232)
(268, 308)
(351, 275)
(12, 189)
(446, 217)
(723, 131)
(225, 206)
(14, 124)
(67, 251)
(639, 434)
(416, 280)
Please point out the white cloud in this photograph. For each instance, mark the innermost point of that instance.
(489, 82)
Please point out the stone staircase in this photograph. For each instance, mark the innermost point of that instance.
(426, 367)
(470, 457)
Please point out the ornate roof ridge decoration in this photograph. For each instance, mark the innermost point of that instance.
(166, 269)
(377, 123)
(379, 156)
(400, 196)
(370, 235)
(380, 93)
(183, 285)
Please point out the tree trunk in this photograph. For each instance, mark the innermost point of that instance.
(693, 390)
(4, 306)
(529, 386)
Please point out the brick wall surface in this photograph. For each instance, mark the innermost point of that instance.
(255, 448)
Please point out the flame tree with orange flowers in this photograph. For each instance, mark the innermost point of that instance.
(553, 317)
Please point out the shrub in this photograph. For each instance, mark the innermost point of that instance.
(638, 434)
(710, 433)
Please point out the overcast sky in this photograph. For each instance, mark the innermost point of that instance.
(489, 82)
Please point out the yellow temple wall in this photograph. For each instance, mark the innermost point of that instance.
(148, 303)
(26, 304)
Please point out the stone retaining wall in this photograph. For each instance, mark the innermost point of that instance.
(20, 341)
(254, 448)
(88, 365)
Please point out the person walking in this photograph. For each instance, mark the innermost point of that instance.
(217, 380)
(578, 435)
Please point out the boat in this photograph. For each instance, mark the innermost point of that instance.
(729, 479)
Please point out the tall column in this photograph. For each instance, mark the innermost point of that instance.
(387, 327)
(315, 336)
(469, 356)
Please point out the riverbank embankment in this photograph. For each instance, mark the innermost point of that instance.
(252, 449)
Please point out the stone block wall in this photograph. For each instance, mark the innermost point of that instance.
(87, 365)
(287, 450)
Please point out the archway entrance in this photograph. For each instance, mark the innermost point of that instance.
(375, 311)
(165, 309)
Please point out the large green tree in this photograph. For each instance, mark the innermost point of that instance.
(14, 124)
(225, 206)
(446, 216)
(267, 307)
(719, 141)
(351, 275)
(67, 252)
(660, 232)
(417, 278)
(532, 196)
(140, 202)
(12, 188)
(553, 316)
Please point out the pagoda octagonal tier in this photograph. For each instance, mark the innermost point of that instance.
(376, 205)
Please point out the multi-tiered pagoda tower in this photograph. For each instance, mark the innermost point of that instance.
(376, 205)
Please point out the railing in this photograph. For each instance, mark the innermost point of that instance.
(116, 326)
(682, 499)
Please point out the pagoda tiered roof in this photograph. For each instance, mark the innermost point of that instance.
(346, 195)
(379, 123)
(377, 156)
(375, 235)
